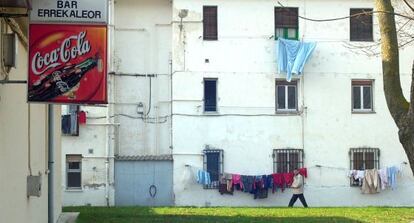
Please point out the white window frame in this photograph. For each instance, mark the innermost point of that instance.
(293, 83)
(370, 84)
(68, 170)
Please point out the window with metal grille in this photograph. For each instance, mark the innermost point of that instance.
(361, 25)
(286, 23)
(363, 159)
(362, 96)
(213, 164)
(73, 171)
(287, 160)
(70, 123)
(210, 95)
(210, 23)
(286, 96)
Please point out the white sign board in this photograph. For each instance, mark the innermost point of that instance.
(69, 11)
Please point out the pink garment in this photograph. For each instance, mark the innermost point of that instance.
(236, 179)
(303, 172)
(288, 178)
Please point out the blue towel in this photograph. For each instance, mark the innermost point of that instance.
(203, 177)
(292, 56)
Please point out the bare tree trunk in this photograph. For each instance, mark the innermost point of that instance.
(401, 111)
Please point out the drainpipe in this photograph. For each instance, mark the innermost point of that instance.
(51, 164)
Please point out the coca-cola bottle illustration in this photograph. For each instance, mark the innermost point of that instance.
(62, 80)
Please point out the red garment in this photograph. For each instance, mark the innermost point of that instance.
(278, 181)
(82, 117)
(288, 177)
(236, 180)
(303, 172)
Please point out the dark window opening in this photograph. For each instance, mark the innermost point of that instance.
(363, 159)
(73, 171)
(286, 23)
(361, 25)
(287, 160)
(210, 23)
(210, 95)
(213, 163)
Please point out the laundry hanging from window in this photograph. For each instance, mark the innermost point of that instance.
(292, 56)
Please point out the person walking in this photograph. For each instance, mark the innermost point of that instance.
(297, 187)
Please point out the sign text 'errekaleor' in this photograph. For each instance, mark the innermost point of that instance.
(72, 11)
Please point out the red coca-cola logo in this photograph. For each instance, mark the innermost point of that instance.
(70, 48)
(67, 63)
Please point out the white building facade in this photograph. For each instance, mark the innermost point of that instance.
(189, 75)
(247, 123)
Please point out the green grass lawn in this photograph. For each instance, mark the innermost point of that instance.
(191, 214)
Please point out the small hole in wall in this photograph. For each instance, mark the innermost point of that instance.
(90, 151)
(206, 60)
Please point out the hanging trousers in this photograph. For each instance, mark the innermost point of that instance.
(301, 198)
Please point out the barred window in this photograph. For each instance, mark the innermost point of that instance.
(210, 23)
(213, 163)
(287, 160)
(361, 25)
(73, 171)
(286, 22)
(363, 159)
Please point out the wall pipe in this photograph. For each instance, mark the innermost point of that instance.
(51, 163)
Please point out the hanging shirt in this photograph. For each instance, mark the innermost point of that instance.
(383, 178)
(203, 177)
(392, 176)
(288, 178)
(303, 172)
(236, 181)
(292, 56)
(278, 181)
(371, 182)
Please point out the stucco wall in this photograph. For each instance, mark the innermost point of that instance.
(140, 43)
(247, 129)
(15, 206)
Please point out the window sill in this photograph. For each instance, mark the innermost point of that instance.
(364, 112)
(73, 190)
(288, 113)
(212, 113)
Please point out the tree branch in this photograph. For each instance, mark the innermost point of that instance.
(409, 6)
(394, 96)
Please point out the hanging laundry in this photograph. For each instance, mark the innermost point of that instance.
(357, 175)
(292, 56)
(383, 178)
(278, 182)
(392, 176)
(288, 179)
(66, 124)
(371, 182)
(223, 189)
(229, 182)
(303, 172)
(248, 183)
(82, 117)
(260, 190)
(269, 182)
(203, 177)
(236, 181)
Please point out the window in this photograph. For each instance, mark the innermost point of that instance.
(213, 163)
(70, 124)
(286, 96)
(362, 96)
(363, 159)
(210, 22)
(361, 25)
(286, 23)
(210, 95)
(73, 171)
(286, 160)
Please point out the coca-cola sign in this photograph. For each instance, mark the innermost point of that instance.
(67, 64)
